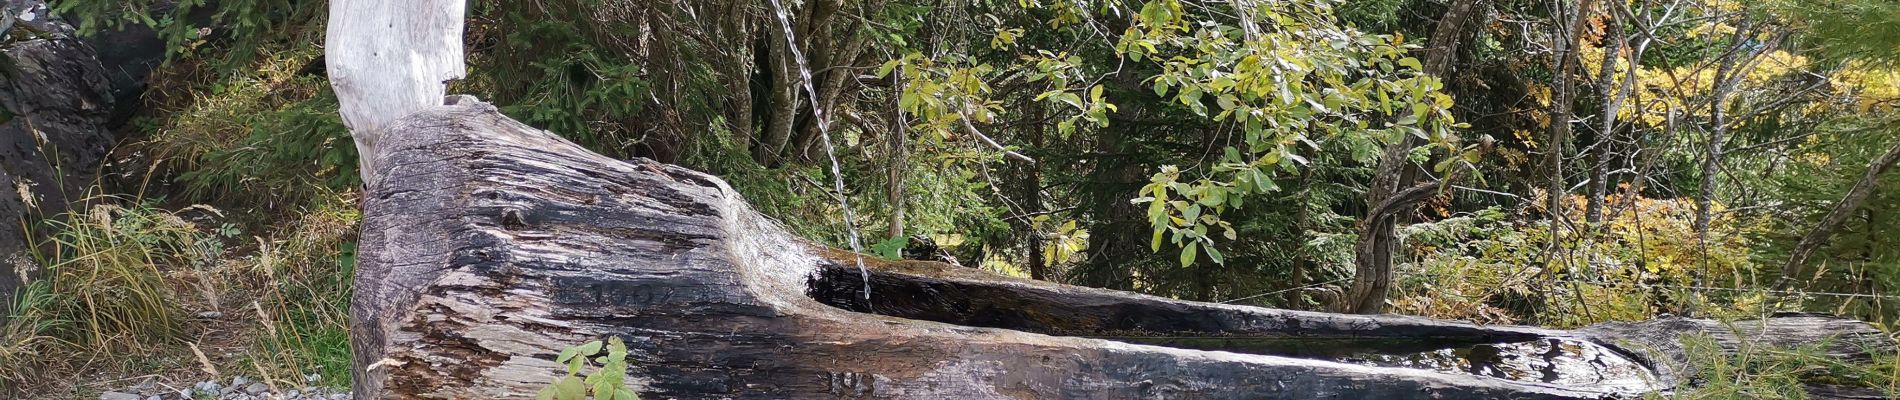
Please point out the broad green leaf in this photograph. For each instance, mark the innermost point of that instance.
(885, 70)
(1155, 244)
(603, 391)
(590, 348)
(570, 388)
(1412, 63)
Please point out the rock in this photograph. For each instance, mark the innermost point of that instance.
(118, 396)
(155, 397)
(207, 387)
(131, 53)
(55, 108)
(211, 315)
(256, 389)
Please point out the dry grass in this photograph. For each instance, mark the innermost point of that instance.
(105, 289)
(136, 292)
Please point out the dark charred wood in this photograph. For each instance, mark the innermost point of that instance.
(489, 246)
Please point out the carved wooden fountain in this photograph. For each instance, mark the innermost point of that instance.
(488, 246)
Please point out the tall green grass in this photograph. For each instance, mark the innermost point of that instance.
(105, 287)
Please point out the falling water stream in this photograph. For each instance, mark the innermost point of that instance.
(824, 133)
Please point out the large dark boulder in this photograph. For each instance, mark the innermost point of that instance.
(55, 110)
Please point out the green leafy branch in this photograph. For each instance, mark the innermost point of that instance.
(608, 382)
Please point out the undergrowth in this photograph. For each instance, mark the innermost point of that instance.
(1757, 370)
(109, 272)
(1493, 267)
(155, 274)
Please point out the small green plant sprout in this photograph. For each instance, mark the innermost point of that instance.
(606, 383)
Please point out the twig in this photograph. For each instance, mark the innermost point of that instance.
(965, 118)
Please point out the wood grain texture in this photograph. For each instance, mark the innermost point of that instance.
(489, 246)
(390, 58)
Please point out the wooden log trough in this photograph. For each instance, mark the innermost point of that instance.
(489, 246)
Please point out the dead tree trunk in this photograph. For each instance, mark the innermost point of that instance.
(489, 246)
(388, 59)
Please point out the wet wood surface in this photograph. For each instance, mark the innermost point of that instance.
(489, 246)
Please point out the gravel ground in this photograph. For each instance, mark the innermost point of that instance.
(239, 388)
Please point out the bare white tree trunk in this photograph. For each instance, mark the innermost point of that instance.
(388, 59)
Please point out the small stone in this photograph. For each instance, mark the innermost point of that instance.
(155, 397)
(312, 378)
(118, 396)
(293, 393)
(256, 388)
(211, 315)
(239, 381)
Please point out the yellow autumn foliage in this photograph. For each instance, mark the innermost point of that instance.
(1644, 259)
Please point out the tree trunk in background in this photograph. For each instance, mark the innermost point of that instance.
(1635, 150)
(1842, 210)
(666, 139)
(782, 100)
(1612, 101)
(1031, 195)
(490, 246)
(1718, 133)
(1561, 99)
(1377, 239)
(1118, 230)
(737, 70)
(1302, 221)
(900, 155)
(388, 59)
(833, 55)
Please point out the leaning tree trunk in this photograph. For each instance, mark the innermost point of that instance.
(488, 246)
(1378, 238)
(1856, 197)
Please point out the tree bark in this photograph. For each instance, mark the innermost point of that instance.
(1377, 240)
(1612, 101)
(1570, 40)
(489, 246)
(1723, 82)
(900, 155)
(782, 97)
(1029, 192)
(1842, 210)
(388, 59)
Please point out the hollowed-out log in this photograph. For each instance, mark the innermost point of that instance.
(489, 246)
